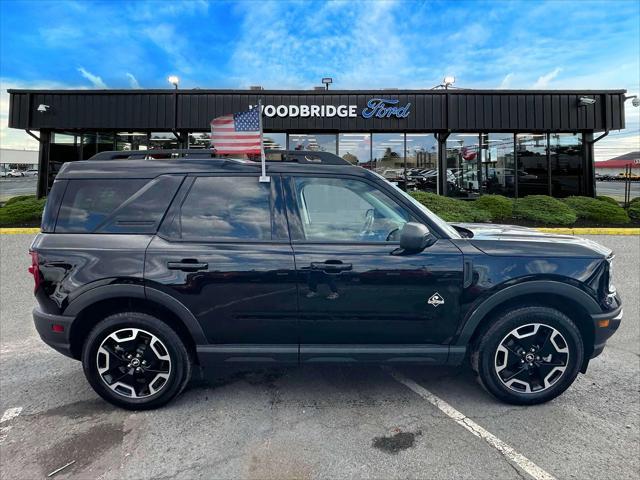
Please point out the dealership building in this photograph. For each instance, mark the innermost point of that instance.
(455, 142)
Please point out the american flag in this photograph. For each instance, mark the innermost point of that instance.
(237, 133)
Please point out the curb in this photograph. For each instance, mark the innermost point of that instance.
(564, 231)
(19, 231)
(592, 231)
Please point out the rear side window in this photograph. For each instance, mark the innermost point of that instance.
(226, 209)
(115, 205)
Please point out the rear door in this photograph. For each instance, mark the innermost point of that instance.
(223, 251)
(357, 299)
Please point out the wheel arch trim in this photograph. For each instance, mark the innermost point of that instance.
(521, 289)
(141, 292)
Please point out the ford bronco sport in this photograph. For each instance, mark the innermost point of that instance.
(145, 268)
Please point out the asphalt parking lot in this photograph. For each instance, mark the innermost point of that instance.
(11, 187)
(313, 422)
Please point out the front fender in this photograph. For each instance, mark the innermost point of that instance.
(546, 287)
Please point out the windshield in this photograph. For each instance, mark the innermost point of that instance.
(452, 232)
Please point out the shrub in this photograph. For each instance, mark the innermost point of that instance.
(610, 200)
(634, 212)
(451, 209)
(27, 211)
(498, 206)
(19, 198)
(635, 201)
(594, 210)
(543, 210)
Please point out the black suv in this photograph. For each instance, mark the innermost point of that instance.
(146, 268)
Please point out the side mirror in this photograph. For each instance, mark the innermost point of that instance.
(414, 238)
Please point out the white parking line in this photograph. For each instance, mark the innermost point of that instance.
(461, 419)
(9, 414)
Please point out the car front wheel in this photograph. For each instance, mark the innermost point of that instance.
(529, 355)
(135, 361)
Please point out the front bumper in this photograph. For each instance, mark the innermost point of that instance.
(58, 340)
(603, 333)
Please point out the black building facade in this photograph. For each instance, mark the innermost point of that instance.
(460, 143)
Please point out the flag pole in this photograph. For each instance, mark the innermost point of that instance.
(263, 160)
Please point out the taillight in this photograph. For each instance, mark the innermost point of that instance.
(34, 270)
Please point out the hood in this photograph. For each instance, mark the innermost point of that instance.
(494, 239)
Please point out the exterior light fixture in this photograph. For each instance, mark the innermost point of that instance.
(42, 108)
(586, 101)
(327, 81)
(448, 81)
(174, 80)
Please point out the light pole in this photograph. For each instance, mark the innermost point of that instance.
(327, 81)
(448, 81)
(174, 80)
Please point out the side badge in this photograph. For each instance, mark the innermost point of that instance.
(435, 300)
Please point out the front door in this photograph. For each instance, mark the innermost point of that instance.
(358, 300)
(224, 252)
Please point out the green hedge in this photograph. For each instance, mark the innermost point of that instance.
(597, 211)
(544, 210)
(635, 201)
(451, 209)
(21, 211)
(610, 200)
(499, 207)
(634, 212)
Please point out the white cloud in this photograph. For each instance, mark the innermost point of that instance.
(506, 81)
(133, 81)
(543, 81)
(95, 80)
(165, 37)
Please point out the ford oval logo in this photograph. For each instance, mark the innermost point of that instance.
(385, 108)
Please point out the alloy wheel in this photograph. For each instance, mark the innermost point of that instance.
(133, 363)
(531, 358)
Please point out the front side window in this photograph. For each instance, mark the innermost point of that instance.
(343, 210)
(226, 209)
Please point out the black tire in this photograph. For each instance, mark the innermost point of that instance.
(544, 383)
(178, 365)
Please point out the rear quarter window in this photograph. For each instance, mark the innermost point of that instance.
(115, 205)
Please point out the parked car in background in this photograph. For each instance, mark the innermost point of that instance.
(15, 173)
(32, 172)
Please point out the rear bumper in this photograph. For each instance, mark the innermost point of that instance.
(602, 334)
(59, 341)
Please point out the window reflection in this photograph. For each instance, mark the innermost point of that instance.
(163, 141)
(313, 142)
(422, 162)
(275, 141)
(463, 165)
(567, 165)
(355, 148)
(388, 156)
(199, 140)
(498, 164)
(533, 168)
(131, 141)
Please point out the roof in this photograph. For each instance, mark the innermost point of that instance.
(631, 158)
(126, 169)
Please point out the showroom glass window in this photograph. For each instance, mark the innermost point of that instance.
(497, 160)
(566, 156)
(387, 156)
(355, 148)
(227, 209)
(533, 166)
(463, 165)
(132, 141)
(199, 140)
(163, 141)
(422, 162)
(313, 142)
(275, 141)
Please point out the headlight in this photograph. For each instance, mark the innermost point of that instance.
(612, 287)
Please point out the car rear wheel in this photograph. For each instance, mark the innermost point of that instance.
(135, 361)
(529, 355)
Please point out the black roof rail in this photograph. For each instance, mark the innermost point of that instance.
(297, 156)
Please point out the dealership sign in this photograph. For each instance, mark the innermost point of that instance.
(376, 108)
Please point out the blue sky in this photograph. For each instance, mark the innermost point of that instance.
(377, 44)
